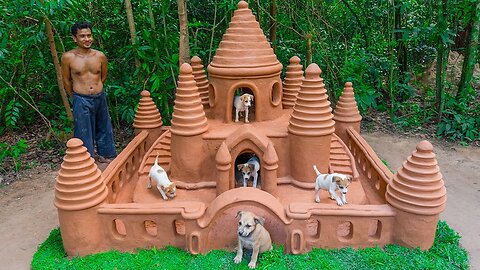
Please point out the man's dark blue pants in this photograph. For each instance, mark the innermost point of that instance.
(92, 124)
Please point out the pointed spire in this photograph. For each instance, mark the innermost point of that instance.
(418, 187)
(147, 115)
(312, 114)
(79, 184)
(347, 110)
(244, 49)
(223, 156)
(188, 117)
(292, 82)
(270, 157)
(201, 79)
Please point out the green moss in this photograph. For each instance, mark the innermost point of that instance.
(445, 253)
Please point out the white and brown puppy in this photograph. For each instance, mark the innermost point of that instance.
(253, 236)
(242, 104)
(332, 182)
(160, 177)
(250, 169)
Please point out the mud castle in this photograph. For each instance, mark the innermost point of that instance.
(292, 127)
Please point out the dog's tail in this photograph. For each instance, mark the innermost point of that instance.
(156, 161)
(316, 170)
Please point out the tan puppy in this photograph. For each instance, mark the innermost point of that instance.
(251, 235)
(332, 182)
(160, 177)
(242, 104)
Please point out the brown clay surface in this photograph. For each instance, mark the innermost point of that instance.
(27, 214)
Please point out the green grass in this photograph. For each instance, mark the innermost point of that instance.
(444, 254)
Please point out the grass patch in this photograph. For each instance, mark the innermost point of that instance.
(445, 253)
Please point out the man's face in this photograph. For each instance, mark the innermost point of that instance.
(83, 38)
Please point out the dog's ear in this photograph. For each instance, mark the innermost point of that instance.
(242, 98)
(259, 220)
(251, 97)
(349, 179)
(336, 179)
(239, 214)
(173, 186)
(239, 166)
(252, 167)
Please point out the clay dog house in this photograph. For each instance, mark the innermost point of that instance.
(292, 128)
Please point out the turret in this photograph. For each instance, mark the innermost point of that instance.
(418, 194)
(201, 80)
(188, 125)
(346, 113)
(147, 117)
(79, 190)
(292, 82)
(311, 127)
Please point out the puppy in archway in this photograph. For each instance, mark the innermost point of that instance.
(242, 104)
(249, 170)
(251, 235)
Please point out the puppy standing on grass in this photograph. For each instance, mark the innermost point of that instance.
(332, 182)
(251, 235)
(160, 177)
(250, 169)
(242, 104)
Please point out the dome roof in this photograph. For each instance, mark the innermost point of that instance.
(244, 49)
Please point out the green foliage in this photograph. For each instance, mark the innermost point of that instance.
(445, 253)
(461, 121)
(13, 153)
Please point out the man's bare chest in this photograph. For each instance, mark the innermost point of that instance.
(81, 66)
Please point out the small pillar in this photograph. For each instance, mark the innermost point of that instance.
(292, 82)
(346, 113)
(224, 163)
(311, 127)
(147, 117)
(79, 190)
(201, 80)
(188, 125)
(270, 160)
(418, 194)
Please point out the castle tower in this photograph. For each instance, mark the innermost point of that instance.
(346, 113)
(79, 190)
(245, 60)
(418, 194)
(292, 82)
(188, 125)
(147, 117)
(200, 79)
(311, 127)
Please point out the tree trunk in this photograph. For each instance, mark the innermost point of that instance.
(470, 54)
(58, 69)
(401, 49)
(150, 15)
(131, 25)
(273, 24)
(442, 58)
(184, 54)
(308, 54)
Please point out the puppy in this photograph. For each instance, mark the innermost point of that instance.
(332, 182)
(164, 185)
(251, 235)
(250, 169)
(242, 104)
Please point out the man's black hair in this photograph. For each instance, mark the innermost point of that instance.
(80, 25)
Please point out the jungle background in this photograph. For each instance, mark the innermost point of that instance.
(413, 64)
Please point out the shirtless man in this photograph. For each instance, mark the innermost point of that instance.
(84, 71)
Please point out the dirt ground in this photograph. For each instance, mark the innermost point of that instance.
(27, 213)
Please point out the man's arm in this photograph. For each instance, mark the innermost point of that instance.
(104, 62)
(66, 74)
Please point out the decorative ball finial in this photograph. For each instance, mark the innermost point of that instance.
(185, 68)
(312, 71)
(242, 5)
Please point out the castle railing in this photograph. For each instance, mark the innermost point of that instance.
(124, 167)
(378, 175)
